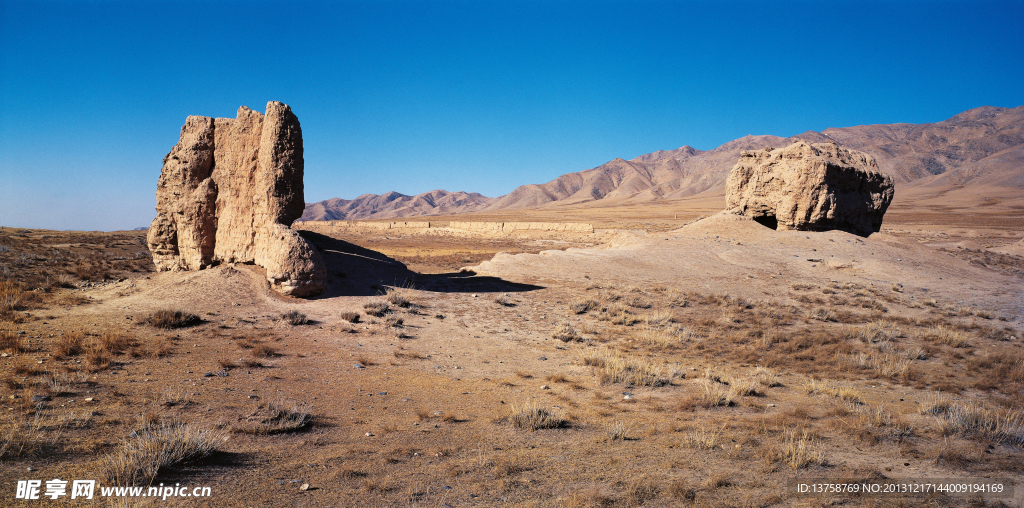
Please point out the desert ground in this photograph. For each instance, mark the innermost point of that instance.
(674, 357)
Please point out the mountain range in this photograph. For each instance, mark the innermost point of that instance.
(979, 149)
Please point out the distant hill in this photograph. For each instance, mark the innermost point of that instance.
(393, 204)
(980, 147)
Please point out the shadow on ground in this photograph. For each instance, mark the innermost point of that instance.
(357, 271)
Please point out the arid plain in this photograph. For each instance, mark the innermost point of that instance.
(674, 356)
(706, 364)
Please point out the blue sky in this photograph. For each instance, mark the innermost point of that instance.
(479, 96)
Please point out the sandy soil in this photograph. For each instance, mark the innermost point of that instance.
(422, 411)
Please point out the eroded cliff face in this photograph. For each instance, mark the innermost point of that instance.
(228, 192)
(810, 187)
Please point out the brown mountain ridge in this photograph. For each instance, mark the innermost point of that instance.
(975, 152)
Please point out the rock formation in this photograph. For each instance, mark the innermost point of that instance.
(228, 192)
(810, 187)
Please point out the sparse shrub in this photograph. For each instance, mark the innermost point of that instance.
(11, 342)
(799, 450)
(675, 298)
(581, 306)
(115, 342)
(637, 302)
(973, 420)
(617, 431)
(613, 367)
(743, 388)
(376, 309)
(948, 336)
(767, 377)
(566, 333)
(279, 417)
(702, 439)
(295, 318)
(713, 394)
(139, 459)
(70, 344)
(167, 319)
(399, 296)
(504, 300)
(829, 388)
(393, 321)
(531, 417)
(351, 317)
(263, 351)
(640, 491)
(22, 437)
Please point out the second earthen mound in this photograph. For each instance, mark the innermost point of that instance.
(810, 187)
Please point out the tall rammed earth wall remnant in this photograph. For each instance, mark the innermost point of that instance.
(810, 187)
(229, 191)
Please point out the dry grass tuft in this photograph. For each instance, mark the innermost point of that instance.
(614, 367)
(566, 333)
(581, 306)
(846, 393)
(973, 420)
(277, 418)
(504, 300)
(139, 459)
(11, 342)
(702, 439)
(532, 417)
(70, 344)
(351, 317)
(295, 318)
(399, 296)
(714, 394)
(948, 336)
(376, 309)
(167, 318)
(799, 449)
(20, 437)
(637, 302)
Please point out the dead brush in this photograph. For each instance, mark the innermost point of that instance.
(399, 296)
(13, 297)
(767, 377)
(169, 318)
(27, 367)
(799, 449)
(613, 367)
(637, 302)
(531, 417)
(277, 417)
(702, 439)
(566, 333)
(20, 436)
(581, 306)
(70, 344)
(675, 298)
(377, 308)
(948, 336)
(975, 421)
(504, 300)
(263, 351)
(394, 321)
(115, 342)
(713, 394)
(351, 317)
(830, 388)
(295, 318)
(138, 460)
(11, 342)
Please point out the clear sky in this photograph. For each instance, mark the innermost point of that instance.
(480, 95)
